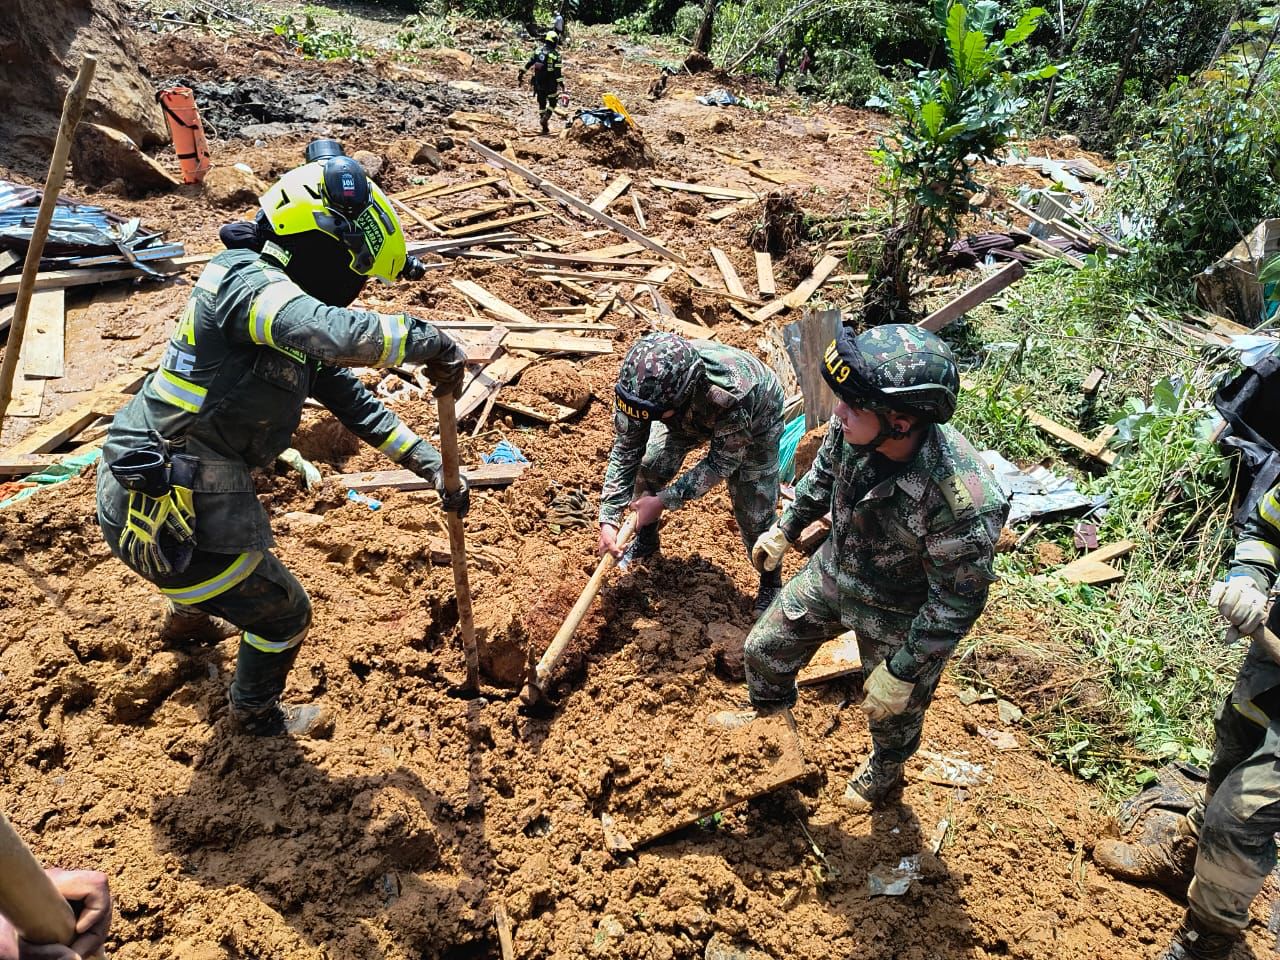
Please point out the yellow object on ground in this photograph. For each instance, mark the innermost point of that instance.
(613, 103)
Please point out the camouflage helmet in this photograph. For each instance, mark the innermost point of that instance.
(657, 376)
(896, 366)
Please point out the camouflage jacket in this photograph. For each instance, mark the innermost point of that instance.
(920, 542)
(737, 400)
(249, 349)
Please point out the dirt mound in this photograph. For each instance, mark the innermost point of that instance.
(559, 381)
(41, 45)
(619, 147)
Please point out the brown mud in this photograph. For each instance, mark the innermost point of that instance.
(396, 836)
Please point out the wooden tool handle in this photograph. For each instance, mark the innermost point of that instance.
(458, 538)
(579, 611)
(72, 107)
(28, 897)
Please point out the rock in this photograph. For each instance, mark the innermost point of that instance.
(428, 155)
(265, 131)
(445, 143)
(715, 122)
(608, 930)
(232, 187)
(372, 163)
(719, 948)
(816, 131)
(675, 136)
(44, 42)
(101, 154)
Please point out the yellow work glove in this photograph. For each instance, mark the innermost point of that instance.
(886, 695)
(146, 518)
(769, 548)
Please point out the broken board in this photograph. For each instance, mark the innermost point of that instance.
(557, 343)
(696, 770)
(835, 658)
(485, 475)
(42, 342)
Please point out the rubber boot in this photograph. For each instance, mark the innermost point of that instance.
(770, 587)
(644, 544)
(1195, 941)
(184, 625)
(255, 697)
(873, 784)
(546, 124)
(1166, 859)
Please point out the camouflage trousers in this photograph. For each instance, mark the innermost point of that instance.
(753, 490)
(806, 614)
(1239, 816)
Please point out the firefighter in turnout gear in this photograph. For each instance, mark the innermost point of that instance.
(548, 81)
(267, 326)
(1220, 854)
(915, 515)
(672, 396)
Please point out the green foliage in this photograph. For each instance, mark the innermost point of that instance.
(945, 120)
(424, 31)
(1212, 169)
(309, 39)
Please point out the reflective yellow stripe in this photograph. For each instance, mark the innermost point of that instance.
(398, 443)
(1257, 551)
(1269, 509)
(266, 305)
(211, 277)
(1250, 712)
(239, 570)
(183, 394)
(395, 331)
(267, 646)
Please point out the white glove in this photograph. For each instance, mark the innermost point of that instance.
(885, 695)
(1241, 602)
(295, 461)
(769, 548)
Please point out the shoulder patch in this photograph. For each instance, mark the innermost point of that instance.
(958, 495)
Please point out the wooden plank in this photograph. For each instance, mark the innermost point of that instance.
(1095, 567)
(1091, 383)
(722, 213)
(565, 197)
(562, 412)
(835, 658)
(28, 392)
(463, 187)
(1071, 437)
(573, 258)
(42, 348)
(707, 190)
(460, 216)
(566, 325)
(503, 370)
(492, 224)
(485, 475)
(482, 346)
(550, 273)
(557, 343)
(638, 210)
(732, 281)
(495, 305)
(611, 193)
(104, 401)
(806, 342)
(764, 274)
(801, 294)
(975, 295)
(7, 259)
(20, 466)
(616, 250)
(54, 279)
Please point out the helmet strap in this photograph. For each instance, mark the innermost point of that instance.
(887, 432)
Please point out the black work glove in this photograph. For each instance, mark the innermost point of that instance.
(447, 368)
(458, 502)
(414, 269)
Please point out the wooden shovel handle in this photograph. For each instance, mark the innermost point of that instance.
(28, 897)
(458, 538)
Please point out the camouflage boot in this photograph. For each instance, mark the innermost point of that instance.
(1164, 858)
(186, 625)
(770, 587)
(873, 784)
(1194, 941)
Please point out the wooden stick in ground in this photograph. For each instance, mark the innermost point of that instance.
(533, 690)
(458, 540)
(28, 897)
(72, 107)
(503, 923)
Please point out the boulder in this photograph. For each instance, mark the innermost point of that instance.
(41, 45)
(372, 163)
(233, 187)
(102, 154)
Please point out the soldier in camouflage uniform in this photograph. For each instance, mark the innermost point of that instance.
(266, 327)
(674, 395)
(915, 515)
(1225, 847)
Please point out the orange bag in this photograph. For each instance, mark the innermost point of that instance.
(179, 106)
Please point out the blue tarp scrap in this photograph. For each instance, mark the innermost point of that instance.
(505, 452)
(787, 447)
(63, 470)
(718, 98)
